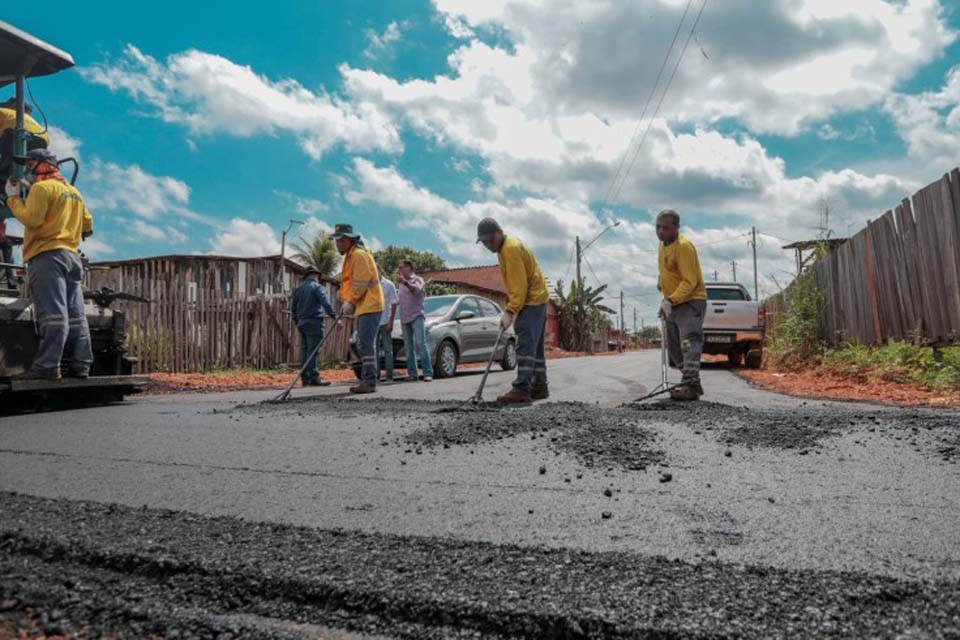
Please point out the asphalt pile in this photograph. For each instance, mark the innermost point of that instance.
(142, 572)
(594, 436)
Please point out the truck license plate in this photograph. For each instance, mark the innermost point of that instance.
(720, 339)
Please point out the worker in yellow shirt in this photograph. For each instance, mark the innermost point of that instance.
(55, 220)
(527, 297)
(684, 303)
(37, 137)
(362, 298)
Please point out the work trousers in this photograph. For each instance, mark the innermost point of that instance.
(311, 334)
(54, 278)
(685, 339)
(385, 350)
(367, 326)
(6, 250)
(415, 344)
(531, 326)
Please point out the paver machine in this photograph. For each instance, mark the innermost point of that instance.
(22, 57)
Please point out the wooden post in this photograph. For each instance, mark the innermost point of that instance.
(872, 285)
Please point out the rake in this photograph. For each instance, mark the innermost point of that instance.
(286, 392)
(664, 386)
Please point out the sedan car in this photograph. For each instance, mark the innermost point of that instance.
(460, 329)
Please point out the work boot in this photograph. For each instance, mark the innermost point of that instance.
(540, 391)
(684, 393)
(514, 397)
(80, 374)
(318, 382)
(364, 387)
(37, 374)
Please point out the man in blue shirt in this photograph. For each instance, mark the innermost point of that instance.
(308, 305)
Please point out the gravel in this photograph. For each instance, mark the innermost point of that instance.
(146, 571)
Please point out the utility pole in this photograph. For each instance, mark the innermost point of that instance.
(283, 251)
(734, 264)
(623, 327)
(579, 331)
(756, 279)
(716, 276)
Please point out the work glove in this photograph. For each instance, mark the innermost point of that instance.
(506, 320)
(666, 308)
(348, 309)
(12, 188)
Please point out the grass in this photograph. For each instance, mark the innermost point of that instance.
(897, 362)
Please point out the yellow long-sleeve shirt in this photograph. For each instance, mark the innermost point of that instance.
(54, 217)
(526, 286)
(681, 278)
(360, 284)
(8, 120)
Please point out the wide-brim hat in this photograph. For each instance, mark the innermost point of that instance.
(345, 231)
(311, 270)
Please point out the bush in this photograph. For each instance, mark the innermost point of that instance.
(795, 339)
(898, 362)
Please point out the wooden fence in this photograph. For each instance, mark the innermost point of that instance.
(189, 325)
(899, 278)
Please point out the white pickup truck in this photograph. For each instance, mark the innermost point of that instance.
(734, 324)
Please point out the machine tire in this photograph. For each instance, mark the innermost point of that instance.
(509, 360)
(445, 364)
(754, 359)
(735, 358)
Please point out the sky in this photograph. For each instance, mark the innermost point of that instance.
(205, 127)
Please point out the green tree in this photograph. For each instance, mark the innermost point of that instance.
(321, 253)
(388, 261)
(596, 316)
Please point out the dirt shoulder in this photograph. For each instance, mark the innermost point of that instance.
(824, 384)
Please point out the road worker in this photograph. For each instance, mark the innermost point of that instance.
(527, 297)
(308, 305)
(684, 303)
(55, 221)
(362, 298)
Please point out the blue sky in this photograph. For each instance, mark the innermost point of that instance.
(206, 126)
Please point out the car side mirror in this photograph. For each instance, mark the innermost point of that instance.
(465, 315)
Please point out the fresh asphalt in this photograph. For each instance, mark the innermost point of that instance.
(749, 478)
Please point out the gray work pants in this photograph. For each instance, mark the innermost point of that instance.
(531, 326)
(54, 278)
(685, 339)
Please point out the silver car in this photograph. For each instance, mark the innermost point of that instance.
(460, 329)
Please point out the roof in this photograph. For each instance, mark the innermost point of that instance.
(483, 277)
(198, 256)
(21, 53)
(806, 245)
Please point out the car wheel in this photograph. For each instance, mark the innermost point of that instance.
(509, 360)
(754, 359)
(735, 358)
(446, 364)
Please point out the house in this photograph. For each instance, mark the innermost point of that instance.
(209, 312)
(486, 281)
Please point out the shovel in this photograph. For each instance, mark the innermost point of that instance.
(664, 386)
(286, 392)
(477, 398)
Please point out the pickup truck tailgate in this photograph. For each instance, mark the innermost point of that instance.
(730, 315)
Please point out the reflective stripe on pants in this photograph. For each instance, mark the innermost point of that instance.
(531, 327)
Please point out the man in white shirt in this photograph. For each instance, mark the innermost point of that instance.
(385, 335)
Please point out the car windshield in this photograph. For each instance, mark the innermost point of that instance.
(438, 306)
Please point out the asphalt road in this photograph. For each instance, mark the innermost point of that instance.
(756, 479)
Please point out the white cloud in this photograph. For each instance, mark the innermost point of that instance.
(245, 238)
(777, 66)
(301, 204)
(63, 144)
(210, 94)
(930, 125)
(110, 187)
(148, 231)
(95, 248)
(380, 45)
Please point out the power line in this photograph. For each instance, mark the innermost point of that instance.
(590, 266)
(653, 91)
(666, 89)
